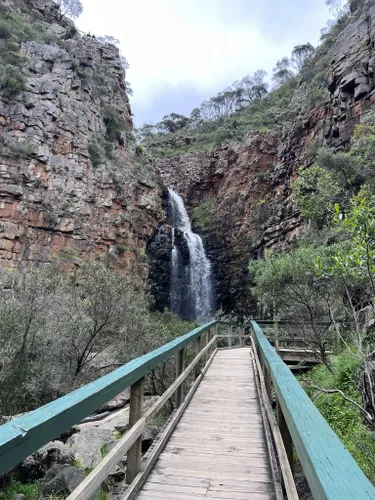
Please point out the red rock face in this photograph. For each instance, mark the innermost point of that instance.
(251, 181)
(56, 203)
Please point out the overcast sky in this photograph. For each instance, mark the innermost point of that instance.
(184, 51)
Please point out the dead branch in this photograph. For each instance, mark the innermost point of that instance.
(365, 413)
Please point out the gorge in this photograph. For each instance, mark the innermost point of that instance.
(115, 241)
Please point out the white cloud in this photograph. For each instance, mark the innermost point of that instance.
(206, 43)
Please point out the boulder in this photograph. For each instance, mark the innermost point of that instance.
(86, 446)
(36, 465)
(60, 481)
(119, 401)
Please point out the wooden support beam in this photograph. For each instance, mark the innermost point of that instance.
(286, 472)
(135, 413)
(277, 341)
(180, 366)
(229, 336)
(198, 348)
(285, 434)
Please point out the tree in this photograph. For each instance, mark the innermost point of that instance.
(260, 88)
(315, 191)
(172, 122)
(71, 8)
(291, 284)
(337, 8)
(282, 72)
(300, 54)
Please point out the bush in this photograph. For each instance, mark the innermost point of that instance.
(203, 216)
(30, 490)
(13, 80)
(92, 320)
(113, 120)
(96, 153)
(342, 416)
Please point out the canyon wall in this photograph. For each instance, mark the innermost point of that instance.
(73, 187)
(248, 184)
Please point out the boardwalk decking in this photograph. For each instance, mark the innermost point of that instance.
(218, 450)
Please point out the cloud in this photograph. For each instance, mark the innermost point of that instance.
(182, 51)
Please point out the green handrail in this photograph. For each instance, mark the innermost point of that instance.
(330, 470)
(23, 436)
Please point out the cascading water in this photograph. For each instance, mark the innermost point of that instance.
(191, 278)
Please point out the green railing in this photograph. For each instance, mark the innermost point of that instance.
(330, 470)
(23, 436)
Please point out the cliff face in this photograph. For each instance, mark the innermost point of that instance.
(249, 183)
(72, 186)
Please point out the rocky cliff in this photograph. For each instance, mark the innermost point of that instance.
(73, 187)
(242, 191)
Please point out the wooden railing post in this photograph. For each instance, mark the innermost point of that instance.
(229, 336)
(267, 378)
(135, 413)
(198, 348)
(285, 434)
(277, 340)
(180, 366)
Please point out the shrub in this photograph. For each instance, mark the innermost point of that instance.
(13, 80)
(113, 120)
(96, 153)
(30, 490)
(203, 215)
(89, 318)
(342, 416)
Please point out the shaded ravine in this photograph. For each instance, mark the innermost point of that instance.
(191, 276)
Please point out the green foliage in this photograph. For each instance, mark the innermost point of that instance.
(121, 249)
(30, 490)
(13, 80)
(342, 416)
(97, 153)
(357, 263)
(203, 216)
(113, 120)
(88, 318)
(315, 190)
(102, 495)
(104, 450)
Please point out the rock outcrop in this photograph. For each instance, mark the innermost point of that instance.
(250, 182)
(72, 186)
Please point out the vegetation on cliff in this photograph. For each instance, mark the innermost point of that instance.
(328, 282)
(299, 84)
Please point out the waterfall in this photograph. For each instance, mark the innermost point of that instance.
(191, 278)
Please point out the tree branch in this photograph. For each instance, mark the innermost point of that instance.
(367, 415)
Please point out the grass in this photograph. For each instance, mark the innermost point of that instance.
(341, 415)
(30, 490)
(203, 215)
(104, 450)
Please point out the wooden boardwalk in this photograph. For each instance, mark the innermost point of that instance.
(218, 450)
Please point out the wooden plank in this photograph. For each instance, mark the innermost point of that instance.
(330, 470)
(25, 435)
(142, 476)
(218, 445)
(135, 413)
(93, 481)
